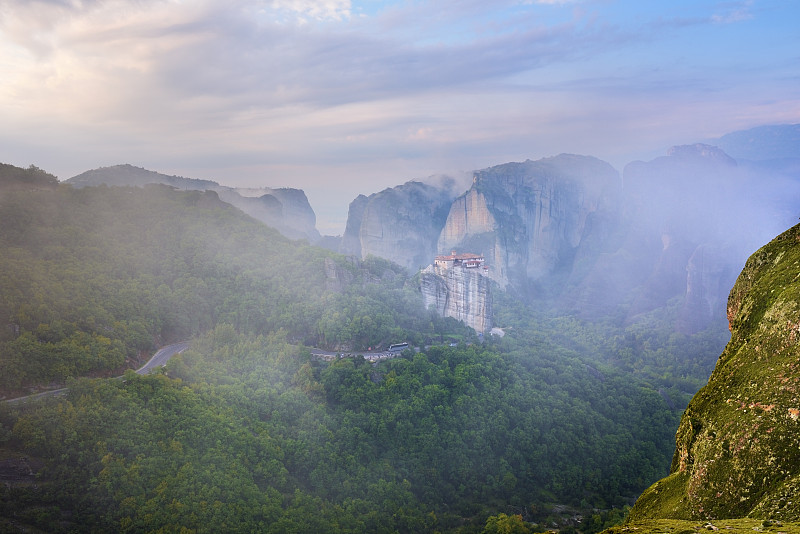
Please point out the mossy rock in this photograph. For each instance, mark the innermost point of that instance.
(738, 443)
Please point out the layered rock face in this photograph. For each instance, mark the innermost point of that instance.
(461, 293)
(400, 224)
(528, 219)
(738, 444)
(285, 209)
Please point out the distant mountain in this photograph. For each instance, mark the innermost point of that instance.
(738, 446)
(285, 209)
(772, 142)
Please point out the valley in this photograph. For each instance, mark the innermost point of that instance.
(289, 410)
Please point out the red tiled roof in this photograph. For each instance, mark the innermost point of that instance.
(463, 257)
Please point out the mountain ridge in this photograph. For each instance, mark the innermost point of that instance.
(285, 209)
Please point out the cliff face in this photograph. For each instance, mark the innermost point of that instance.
(738, 443)
(570, 233)
(708, 272)
(461, 293)
(706, 212)
(400, 224)
(528, 219)
(285, 209)
(351, 240)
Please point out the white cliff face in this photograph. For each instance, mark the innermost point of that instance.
(468, 215)
(528, 219)
(461, 293)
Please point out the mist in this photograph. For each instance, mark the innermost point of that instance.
(265, 180)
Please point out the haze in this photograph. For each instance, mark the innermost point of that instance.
(340, 98)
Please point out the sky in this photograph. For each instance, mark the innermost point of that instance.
(341, 97)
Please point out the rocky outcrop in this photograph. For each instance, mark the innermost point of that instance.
(569, 233)
(285, 209)
(336, 278)
(400, 224)
(461, 293)
(708, 214)
(351, 240)
(738, 444)
(528, 219)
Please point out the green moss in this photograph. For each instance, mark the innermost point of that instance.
(738, 444)
(665, 498)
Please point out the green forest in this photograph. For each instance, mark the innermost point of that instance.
(559, 424)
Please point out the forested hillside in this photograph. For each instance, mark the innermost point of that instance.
(90, 278)
(249, 434)
(247, 431)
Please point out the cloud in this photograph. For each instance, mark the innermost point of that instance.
(314, 9)
(735, 12)
(210, 53)
(400, 89)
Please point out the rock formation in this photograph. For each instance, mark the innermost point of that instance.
(569, 233)
(285, 209)
(459, 292)
(708, 215)
(529, 218)
(708, 272)
(400, 224)
(336, 278)
(738, 444)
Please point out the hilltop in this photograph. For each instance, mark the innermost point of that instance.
(738, 444)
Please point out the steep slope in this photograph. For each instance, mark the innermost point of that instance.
(461, 293)
(400, 224)
(738, 444)
(529, 219)
(285, 209)
(690, 220)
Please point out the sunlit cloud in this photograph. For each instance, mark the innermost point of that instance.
(314, 9)
(385, 88)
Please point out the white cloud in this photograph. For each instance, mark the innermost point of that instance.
(738, 12)
(216, 89)
(337, 10)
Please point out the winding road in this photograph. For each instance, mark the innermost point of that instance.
(158, 360)
(161, 357)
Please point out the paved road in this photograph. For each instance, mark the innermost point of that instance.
(158, 360)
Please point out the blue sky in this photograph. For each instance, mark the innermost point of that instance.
(341, 97)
